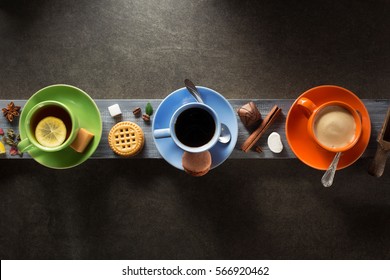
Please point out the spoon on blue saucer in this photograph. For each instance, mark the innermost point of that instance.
(225, 135)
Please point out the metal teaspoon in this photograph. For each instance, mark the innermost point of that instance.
(225, 135)
(327, 179)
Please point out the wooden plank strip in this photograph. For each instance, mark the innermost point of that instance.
(377, 109)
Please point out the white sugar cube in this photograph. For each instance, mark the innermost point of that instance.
(114, 110)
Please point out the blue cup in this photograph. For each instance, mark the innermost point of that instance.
(194, 127)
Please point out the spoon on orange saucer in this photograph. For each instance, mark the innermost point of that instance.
(327, 179)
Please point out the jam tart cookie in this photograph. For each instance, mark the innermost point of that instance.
(126, 139)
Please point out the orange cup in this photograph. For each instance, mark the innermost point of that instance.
(334, 125)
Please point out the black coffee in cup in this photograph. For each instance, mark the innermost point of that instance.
(195, 127)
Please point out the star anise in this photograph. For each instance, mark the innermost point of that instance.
(11, 111)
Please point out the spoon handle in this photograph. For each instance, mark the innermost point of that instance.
(327, 179)
(192, 89)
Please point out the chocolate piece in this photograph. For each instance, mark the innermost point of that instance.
(255, 136)
(249, 114)
(82, 140)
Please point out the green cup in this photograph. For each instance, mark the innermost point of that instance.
(40, 111)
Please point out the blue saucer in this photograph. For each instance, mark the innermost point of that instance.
(169, 150)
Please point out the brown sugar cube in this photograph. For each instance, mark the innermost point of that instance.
(82, 140)
(249, 114)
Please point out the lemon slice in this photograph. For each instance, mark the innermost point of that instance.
(2, 148)
(50, 132)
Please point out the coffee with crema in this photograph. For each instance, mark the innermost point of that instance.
(335, 127)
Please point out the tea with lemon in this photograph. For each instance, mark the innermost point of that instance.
(51, 126)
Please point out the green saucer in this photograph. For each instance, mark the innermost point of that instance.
(89, 118)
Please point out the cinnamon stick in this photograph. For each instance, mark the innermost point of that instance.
(265, 124)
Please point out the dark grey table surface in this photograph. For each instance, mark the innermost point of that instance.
(146, 209)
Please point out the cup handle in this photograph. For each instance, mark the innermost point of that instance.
(162, 133)
(25, 145)
(307, 106)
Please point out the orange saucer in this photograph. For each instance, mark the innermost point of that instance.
(305, 148)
